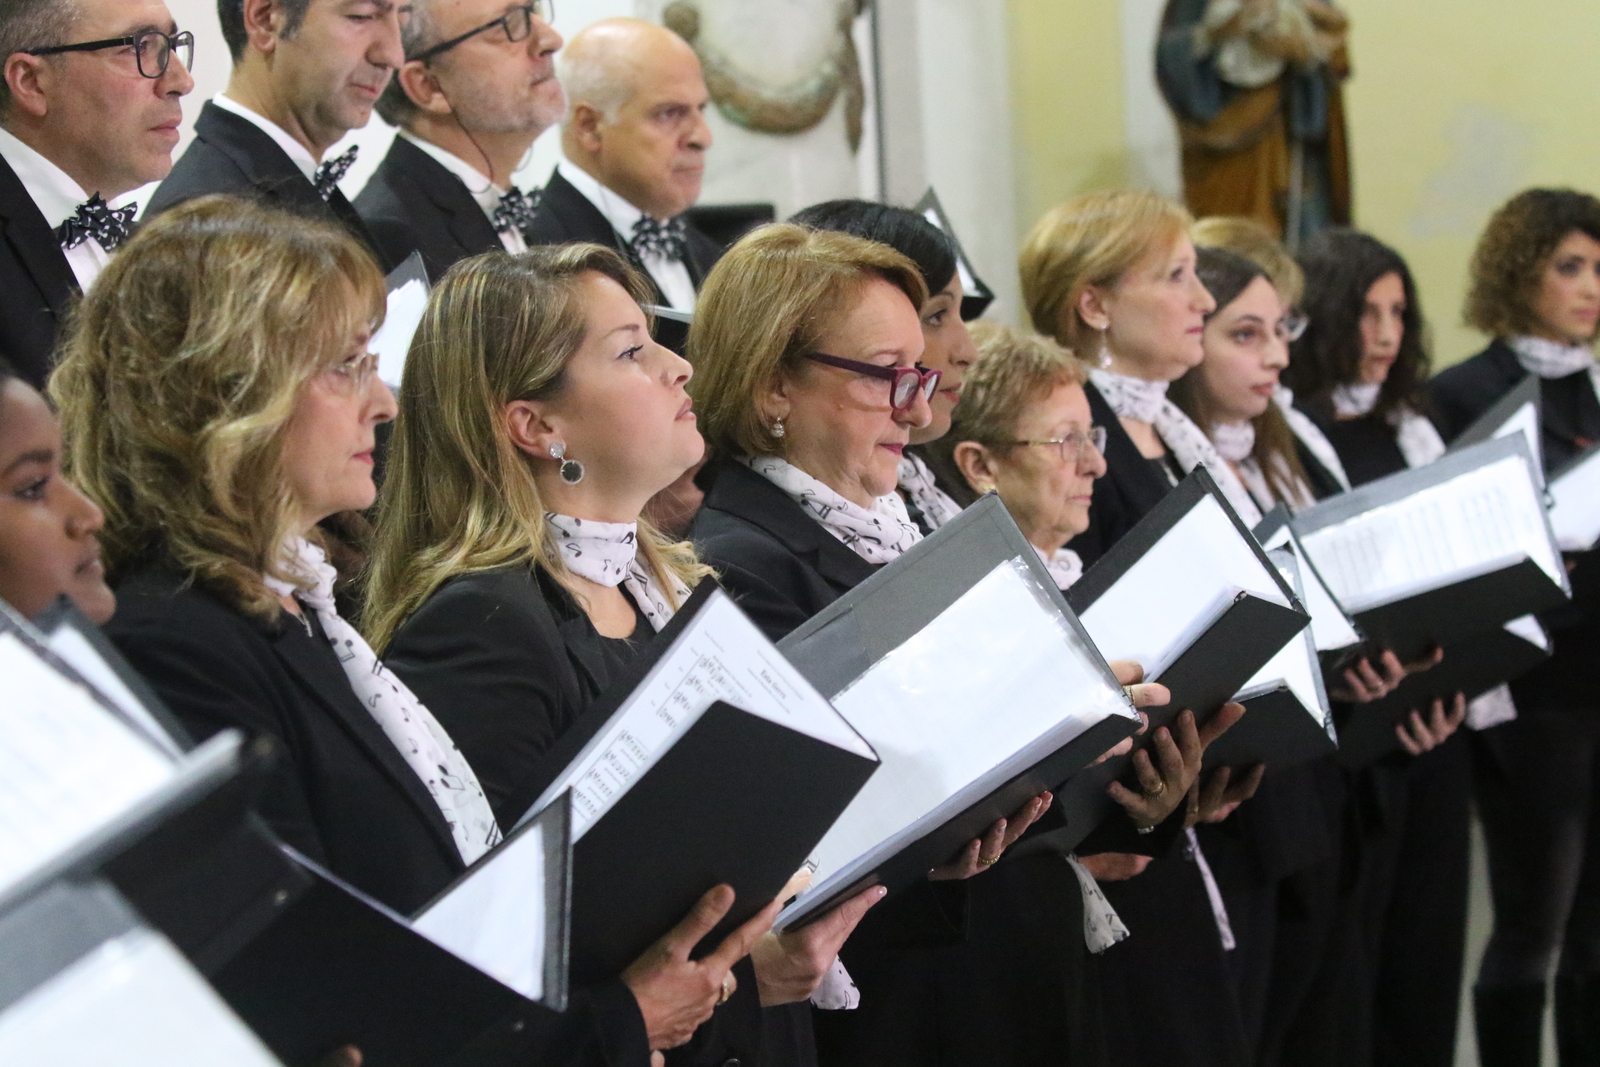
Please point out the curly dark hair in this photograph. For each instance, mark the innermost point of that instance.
(1508, 263)
(1341, 265)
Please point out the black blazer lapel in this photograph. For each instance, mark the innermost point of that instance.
(566, 216)
(323, 676)
(462, 216)
(742, 492)
(35, 244)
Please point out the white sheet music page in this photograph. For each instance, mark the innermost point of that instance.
(392, 342)
(68, 643)
(1331, 628)
(1472, 524)
(1575, 517)
(68, 766)
(495, 918)
(1177, 589)
(971, 694)
(133, 1002)
(719, 656)
(1525, 420)
(1296, 664)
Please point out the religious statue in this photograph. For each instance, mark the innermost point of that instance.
(1255, 87)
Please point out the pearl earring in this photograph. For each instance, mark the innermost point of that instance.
(1105, 348)
(571, 469)
(777, 428)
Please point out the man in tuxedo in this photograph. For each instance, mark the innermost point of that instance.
(634, 142)
(88, 112)
(477, 88)
(305, 73)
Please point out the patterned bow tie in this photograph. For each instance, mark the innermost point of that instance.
(331, 170)
(664, 239)
(516, 210)
(109, 226)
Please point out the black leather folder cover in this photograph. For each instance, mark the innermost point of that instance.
(1206, 675)
(841, 642)
(1413, 626)
(1483, 428)
(738, 799)
(1471, 666)
(337, 968)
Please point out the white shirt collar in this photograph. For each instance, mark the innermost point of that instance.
(621, 214)
(484, 191)
(54, 192)
(298, 154)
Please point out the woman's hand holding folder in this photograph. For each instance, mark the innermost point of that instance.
(983, 853)
(791, 965)
(675, 993)
(1418, 736)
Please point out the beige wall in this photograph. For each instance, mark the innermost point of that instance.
(1453, 107)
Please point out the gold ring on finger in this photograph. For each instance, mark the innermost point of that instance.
(727, 989)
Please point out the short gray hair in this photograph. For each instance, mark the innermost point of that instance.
(26, 24)
(417, 34)
(594, 78)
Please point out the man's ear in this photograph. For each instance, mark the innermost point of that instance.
(264, 21)
(528, 429)
(28, 78)
(976, 465)
(584, 127)
(421, 87)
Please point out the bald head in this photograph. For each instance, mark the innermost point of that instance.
(636, 113)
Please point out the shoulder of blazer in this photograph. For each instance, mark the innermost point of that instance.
(230, 154)
(34, 243)
(767, 513)
(30, 321)
(418, 186)
(1461, 393)
(566, 216)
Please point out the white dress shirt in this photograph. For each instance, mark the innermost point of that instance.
(57, 197)
(671, 275)
(298, 153)
(484, 191)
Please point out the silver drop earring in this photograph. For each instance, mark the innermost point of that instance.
(571, 469)
(1105, 348)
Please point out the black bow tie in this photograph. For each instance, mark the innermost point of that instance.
(516, 210)
(331, 170)
(109, 226)
(661, 238)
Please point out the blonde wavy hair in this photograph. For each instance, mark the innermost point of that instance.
(1251, 239)
(459, 496)
(180, 373)
(1093, 239)
(767, 302)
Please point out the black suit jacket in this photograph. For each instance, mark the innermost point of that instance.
(566, 216)
(343, 795)
(39, 285)
(1127, 491)
(413, 203)
(232, 155)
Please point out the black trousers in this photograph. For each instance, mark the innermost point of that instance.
(1538, 790)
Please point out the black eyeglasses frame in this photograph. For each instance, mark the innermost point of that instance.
(544, 10)
(182, 41)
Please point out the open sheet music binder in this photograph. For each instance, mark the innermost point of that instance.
(81, 780)
(715, 761)
(1440, 553)
(1287, 717)
(1191, 596)
(963, 666)
(1471, 666)
(1518, 412)
(483, 964)
(1575, 502)
(1336, 635)
(85, 981)
(976, 296)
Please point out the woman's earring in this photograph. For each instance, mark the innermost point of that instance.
(1105, 348)
(571, 469)
(777, 428)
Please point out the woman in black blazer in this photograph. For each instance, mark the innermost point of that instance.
(216, 439)
(1536, 291)
(515, 580)
(801, 508)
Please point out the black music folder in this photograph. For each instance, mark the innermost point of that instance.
(715, 762)
(1441, 553)
(1191, 596)
(1518, 412)
(1287, 716)
(1337, 637)
(976, 296)
(85, 981)
(1471, 666)
(964, 667)
(484, 963)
